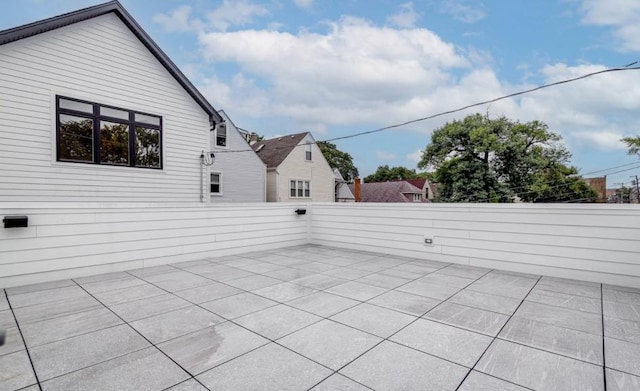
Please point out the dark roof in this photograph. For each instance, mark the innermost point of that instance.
(400, 191)
(31, 29)
(275, 150)
(419, 183)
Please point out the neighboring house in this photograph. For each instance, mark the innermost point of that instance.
(398, 191)
(296, 169)
(237, 174)
(342, 191)
(429, 189)
(92, 110)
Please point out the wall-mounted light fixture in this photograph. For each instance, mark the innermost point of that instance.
(15, 221)
(301, 211)
(207, 159)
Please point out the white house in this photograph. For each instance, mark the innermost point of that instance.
(237, 173)
(92, 110)
(296, 169)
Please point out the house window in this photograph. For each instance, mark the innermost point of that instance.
(299, 189)
(417, 197)
(221, 135)
(216, 183)
(307, 152)
(93, 133)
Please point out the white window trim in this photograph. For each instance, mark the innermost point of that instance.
(298, 180)
(219, 194)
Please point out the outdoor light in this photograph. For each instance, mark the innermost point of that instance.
(301, 211)
(207, 160)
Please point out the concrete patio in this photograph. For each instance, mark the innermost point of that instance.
(320, 318)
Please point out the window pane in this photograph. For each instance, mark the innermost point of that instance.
(215, 183)
(308, 152)
(76, 138)
(114, 143)
(109, 112)
(299, 188)
(221, 136)
(148, 119)
(293, 188)
(147, 147)
(78, 106)
(307, 193)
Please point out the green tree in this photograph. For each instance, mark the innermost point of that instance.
(339, 159)
(479, 159)
(386, 173)
(633, 143)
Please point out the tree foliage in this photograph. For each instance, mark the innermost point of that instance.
(479, 159)
(386, 173)
(339, 159)
(633, 143)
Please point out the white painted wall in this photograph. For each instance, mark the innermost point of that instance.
(65, 242)
(591, 242)
(98, 60)
(317, 171)
(243, 173)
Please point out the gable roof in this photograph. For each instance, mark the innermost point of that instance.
(419, 183)
(275, 150)
(42, 26)
(387, 191)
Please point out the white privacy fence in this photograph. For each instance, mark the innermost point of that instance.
(590, 242)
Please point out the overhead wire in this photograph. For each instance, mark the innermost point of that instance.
(627, 67)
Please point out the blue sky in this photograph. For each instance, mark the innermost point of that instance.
(340, 67)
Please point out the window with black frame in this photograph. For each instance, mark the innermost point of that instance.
(89, 132)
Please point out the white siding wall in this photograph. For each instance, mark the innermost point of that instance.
(589, 242)
(64, 242)
(243, 173)
(317, 171)
(98, 60)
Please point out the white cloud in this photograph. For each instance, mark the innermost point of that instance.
(415, 156)
(303, 3)
(230, 13)
(235, 13)
(354, 73)
(603, 140)
(621, 15)
(178, 20)
(405, 18)
(461, 11)
(386, 156)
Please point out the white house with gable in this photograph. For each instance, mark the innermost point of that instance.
(237, 173)
(92, 110)
(296, 169)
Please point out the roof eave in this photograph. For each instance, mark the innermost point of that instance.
(42, 26)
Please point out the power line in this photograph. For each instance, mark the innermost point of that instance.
(627, 67)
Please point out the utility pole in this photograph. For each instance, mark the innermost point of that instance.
(637, 189)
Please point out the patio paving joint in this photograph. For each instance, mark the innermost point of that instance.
(141, 335)
(497, 334)
(24, 343)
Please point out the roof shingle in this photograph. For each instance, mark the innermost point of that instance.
(275, 150)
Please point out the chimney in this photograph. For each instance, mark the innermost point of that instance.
(253, 138)
(356, 189)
